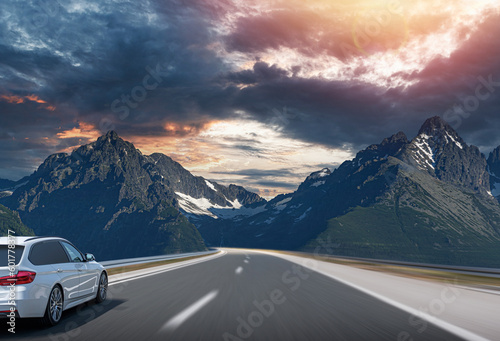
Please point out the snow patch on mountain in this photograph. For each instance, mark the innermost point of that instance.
(452, 139)
(236, 204)
(318, 183)
(424, 154)
(281, 205)
(210, 185)
(284, 201)
(203, 207)
(324, 172)
(303, 215)
(195, 206)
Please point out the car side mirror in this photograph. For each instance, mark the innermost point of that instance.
(89, 257)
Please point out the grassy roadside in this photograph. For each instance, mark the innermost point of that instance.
(133, 267)
(457, 278)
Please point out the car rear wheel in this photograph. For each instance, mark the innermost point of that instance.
(102, 291)
(54, 309)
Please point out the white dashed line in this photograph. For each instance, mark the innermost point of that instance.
(245, 261)
(180, 318)
(238, 270)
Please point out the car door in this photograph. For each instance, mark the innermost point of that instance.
(51, 255)
(88, 278)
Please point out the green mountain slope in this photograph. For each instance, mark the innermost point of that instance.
(419, 218)
(9, 220)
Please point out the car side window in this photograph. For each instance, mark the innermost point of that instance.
(48, 252)
(74, 255)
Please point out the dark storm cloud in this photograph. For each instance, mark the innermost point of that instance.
(307, 31)
(469, 79)
(340, 113)
(314, 110)
(261, 72)
(105, 52)
(84, 56)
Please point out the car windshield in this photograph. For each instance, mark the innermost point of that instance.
(15, 254)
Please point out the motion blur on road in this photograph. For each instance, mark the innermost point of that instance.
(240, 295)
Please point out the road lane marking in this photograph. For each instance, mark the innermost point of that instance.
(238, 270)
(245, 261)
(447, 326)
(180, 318)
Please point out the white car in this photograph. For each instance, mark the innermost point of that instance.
(43, 276)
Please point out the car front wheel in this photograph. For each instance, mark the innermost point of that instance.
(102, 291)
(54, 309)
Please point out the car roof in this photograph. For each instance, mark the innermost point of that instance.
(24, 240)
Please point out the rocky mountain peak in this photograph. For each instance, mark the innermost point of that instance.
(319, 174)
(113, 135)
(435, 125)
(399, 138)
(110, 138)
(108, 148)
(315, 179)
(439, 150)
(437, 134)
(390, 146)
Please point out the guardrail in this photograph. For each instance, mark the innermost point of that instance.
(142, 260)
(489, 272)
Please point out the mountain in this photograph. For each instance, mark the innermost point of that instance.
(444, 155)
(110, 199)
(428, 199)
(9, 220)
(425, 200)
(494, 171)
(6, 187)
(6, 184)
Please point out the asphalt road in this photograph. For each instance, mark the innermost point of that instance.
(239, 296)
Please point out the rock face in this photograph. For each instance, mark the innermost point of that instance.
(439, 150)
(422, 200)
(112, 201)
(494, 171)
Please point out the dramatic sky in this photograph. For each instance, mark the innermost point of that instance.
(254, 92)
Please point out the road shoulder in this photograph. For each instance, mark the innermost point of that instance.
(467, 313)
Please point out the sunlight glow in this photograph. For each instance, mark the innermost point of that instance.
(228, 147)
(390, 40)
